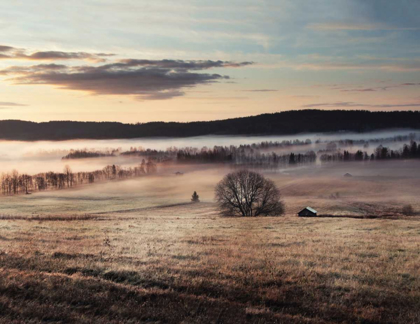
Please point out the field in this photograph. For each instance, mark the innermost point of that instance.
(139, 251)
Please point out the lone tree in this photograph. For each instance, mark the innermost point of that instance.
(247, 193)
(195, 197)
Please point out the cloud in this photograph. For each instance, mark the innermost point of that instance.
(349, 104)
(145, 79)
(32, 69)
(373, 89)
(334, 26)
(410, 84)
(317, 62)
(333, 104)
(57, 55)
(216, 98)
(4, 48)
(305, 96)
(260, 90)
(413, 66)
(10, 104)
(181, 64)
(13, 53)
(160, 95)
(361, 90)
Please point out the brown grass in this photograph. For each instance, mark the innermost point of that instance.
(186, 264)
(50, 218)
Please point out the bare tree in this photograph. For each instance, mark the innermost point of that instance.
(150, 167)
(26, 182)
(143, 166)
(68, 174)
(248, 193)
(15, 181)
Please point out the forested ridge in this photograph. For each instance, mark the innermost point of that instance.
(281, 123)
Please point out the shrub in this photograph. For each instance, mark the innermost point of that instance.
(195, 197)
(408, 210)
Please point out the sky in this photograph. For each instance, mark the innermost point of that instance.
(139, 61)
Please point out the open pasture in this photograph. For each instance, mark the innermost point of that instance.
(139, 251)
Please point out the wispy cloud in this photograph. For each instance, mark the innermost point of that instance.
(13, 53)
(179, 64)
(413, 66)
(10, 104)
(217, 98)
(410, 84)
(260, 90)
(305, 96)
(339, 25)
(374, 89)
(319, 62)
(349, 104)
(360, 90)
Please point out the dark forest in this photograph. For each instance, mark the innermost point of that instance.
(282, 123)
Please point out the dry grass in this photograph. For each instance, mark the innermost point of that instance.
(49, 218)
(186, 264)
(137, 251)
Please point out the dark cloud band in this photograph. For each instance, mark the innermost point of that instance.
(145, 79)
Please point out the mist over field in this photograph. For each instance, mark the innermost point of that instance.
(43, 156)
(210, 162)
(139, 248)
(382, 187)
(375, 186)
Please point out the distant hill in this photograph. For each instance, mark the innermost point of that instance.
(282, 123)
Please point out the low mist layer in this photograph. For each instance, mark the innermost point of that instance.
(381, 187)
(43, 156)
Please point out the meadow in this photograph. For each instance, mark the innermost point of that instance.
(139, 251)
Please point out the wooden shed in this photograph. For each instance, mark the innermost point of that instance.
(307, 211)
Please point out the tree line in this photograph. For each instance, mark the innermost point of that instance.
(251, 156)
(172, 151)
(255, 154)
(408, 151)
(366, 142)
(85, 153)
(14, 183)
(243, 155)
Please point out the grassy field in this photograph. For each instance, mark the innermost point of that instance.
(138, 251)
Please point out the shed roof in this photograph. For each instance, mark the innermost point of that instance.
(310, 209)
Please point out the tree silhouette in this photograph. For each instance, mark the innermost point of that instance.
(195, 197)
(68, 174)
(248, 193)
